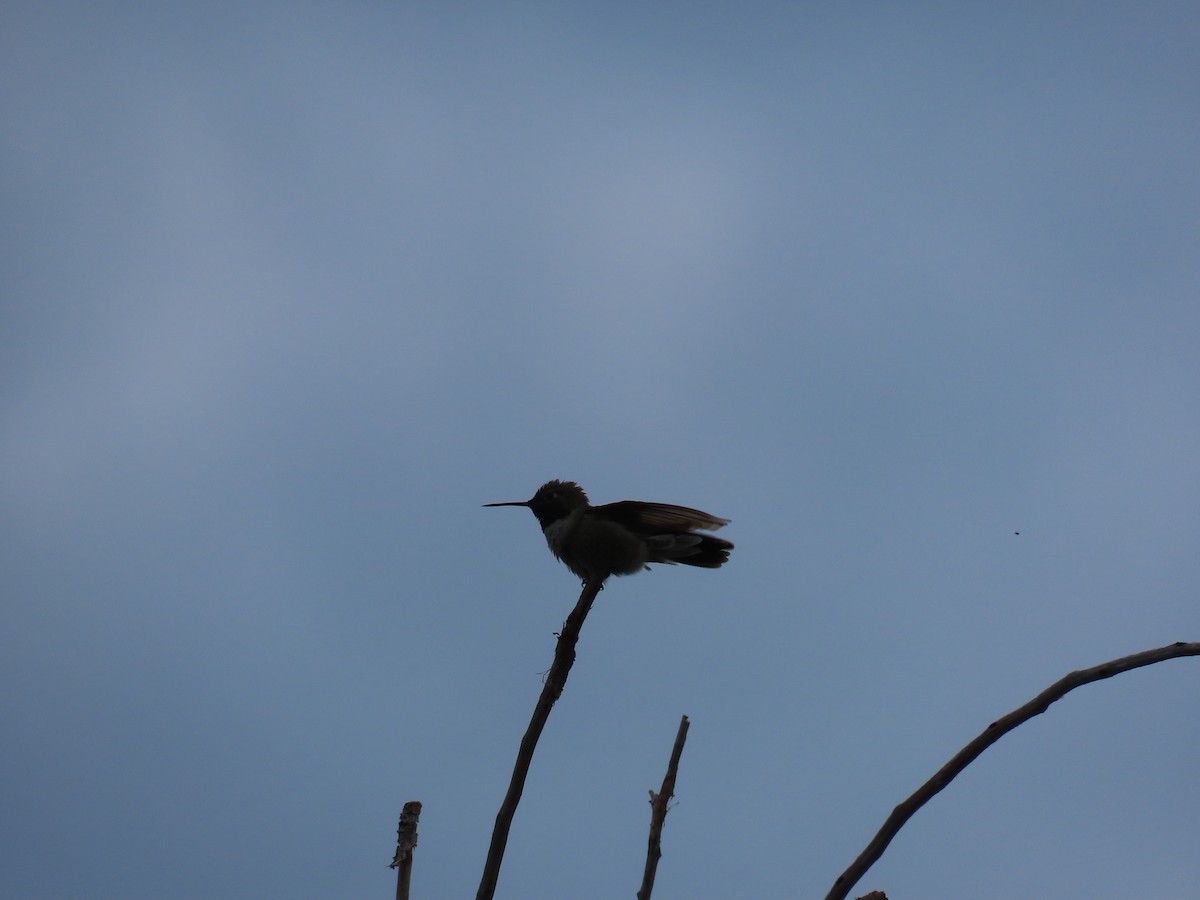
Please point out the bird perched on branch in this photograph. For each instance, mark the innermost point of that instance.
(595, 542)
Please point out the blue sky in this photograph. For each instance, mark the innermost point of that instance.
(292, 289)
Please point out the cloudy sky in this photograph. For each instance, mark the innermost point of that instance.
(290, 289)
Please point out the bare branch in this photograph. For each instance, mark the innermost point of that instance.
(556, 679)
(1002, 726)
(658, 805)
(406, 840)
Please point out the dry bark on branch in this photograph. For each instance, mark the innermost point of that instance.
(406, 840)
(658, 805)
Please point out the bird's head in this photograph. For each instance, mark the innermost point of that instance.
(553, 500)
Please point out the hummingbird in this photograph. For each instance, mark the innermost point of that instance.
(595, 542)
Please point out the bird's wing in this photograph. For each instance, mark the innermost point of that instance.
(638, 516)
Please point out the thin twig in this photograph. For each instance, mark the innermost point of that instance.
(989, 736)
(556, 679)
(658, 805)
(406, 840)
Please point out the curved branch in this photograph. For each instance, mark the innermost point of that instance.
(1002, 726)
(556, 679)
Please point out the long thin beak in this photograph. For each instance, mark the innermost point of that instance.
(514, 503)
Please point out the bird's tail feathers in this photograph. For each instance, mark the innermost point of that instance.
(689, 548)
